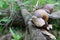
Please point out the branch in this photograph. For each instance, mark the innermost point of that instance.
(53, 17)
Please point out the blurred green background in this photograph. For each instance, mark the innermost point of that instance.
(29, 4)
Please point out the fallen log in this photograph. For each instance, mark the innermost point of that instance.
(31, 32)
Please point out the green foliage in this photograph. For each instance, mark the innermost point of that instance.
(0, 13)
(58, 39)
(1, 27)
(5, 19)
(32, 3)
(15, 36)
(3, 4)
(43, 2)
(10, 0)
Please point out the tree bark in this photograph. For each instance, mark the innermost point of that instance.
(31, 33)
